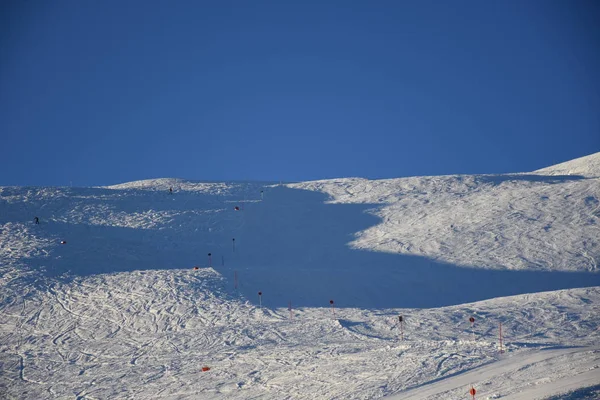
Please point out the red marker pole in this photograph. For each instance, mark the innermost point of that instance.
(472, 321)
(332, 308)
(260, 299)
(233, 241)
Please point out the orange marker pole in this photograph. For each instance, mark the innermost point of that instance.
(472, 392)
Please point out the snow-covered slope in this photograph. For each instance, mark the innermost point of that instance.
(118, 311)
(504, 222)
(588, 166)
(147, 334)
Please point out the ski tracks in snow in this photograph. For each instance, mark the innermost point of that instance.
(533, 374)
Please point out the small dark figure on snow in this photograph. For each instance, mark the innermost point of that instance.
(37, 220)
(170, 190)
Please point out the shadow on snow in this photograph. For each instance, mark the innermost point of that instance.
(549, 179)
(292, 246)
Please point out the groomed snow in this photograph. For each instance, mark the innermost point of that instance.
(118, 311)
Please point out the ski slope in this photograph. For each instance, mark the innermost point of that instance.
(119, 311)
(571, 368)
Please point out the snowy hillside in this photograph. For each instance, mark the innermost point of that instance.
(588, 166)
(507, 222)
(114, 293)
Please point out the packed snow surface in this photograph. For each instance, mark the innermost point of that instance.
(114, 293)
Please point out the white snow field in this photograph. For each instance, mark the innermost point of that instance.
(132, 306)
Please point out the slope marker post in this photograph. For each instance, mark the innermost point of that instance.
(500, 338)
(401, 320)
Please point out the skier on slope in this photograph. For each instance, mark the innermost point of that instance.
(170, 190)
(36, 220)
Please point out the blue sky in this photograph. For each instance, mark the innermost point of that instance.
(103, 92)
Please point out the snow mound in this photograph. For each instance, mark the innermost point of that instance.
(588, 166)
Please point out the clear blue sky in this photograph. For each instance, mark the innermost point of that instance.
(103, 92)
